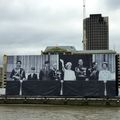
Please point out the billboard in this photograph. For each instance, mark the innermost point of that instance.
(91, 75)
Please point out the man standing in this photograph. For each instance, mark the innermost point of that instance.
(55, 74)
(18, 73)
(80, 71)
(93, 72)
(44, 72)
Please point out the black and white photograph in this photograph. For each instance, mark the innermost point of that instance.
(75, 67)
(56, 75)
(99, 67)
(33, 75)
(59, 59)
(32, 67)
(89, 70)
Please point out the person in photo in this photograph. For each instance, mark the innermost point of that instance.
(81, 71)
(93, 72)
(69, 75)
(55, 74)
(18, 73)
(105, 74)
(33, 75)
(44, 72)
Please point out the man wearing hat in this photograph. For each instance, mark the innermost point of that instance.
(105, 74)
(33, 75)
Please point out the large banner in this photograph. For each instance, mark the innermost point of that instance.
(89, 75)
(84, 75)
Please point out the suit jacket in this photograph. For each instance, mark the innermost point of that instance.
(55, 74)
(93, 74)
(44, 75)
(34, 77)
(20, 74)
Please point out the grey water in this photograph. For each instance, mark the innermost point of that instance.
(55, 112)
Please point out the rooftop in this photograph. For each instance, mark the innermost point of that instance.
(72, 49)
(60, 49)
(95, 52)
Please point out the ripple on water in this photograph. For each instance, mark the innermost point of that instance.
(49, 112)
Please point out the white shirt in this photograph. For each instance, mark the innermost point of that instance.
(105, 75)
(69, 75)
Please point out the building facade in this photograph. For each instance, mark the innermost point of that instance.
(118, 70)
(96, 33)
(1, 75)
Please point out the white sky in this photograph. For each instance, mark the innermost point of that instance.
(28, 26)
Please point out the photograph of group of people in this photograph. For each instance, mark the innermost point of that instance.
(91, 67)
(96, 67)
(83, 67)
(41, 67)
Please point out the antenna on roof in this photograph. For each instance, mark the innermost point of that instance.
(84, 9)
(84, 16)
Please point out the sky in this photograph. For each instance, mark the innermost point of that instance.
(28, 26)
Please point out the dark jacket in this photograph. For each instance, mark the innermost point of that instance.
(34, 77)
(17, 75)
(49, 75)
(93, 74)
(44, 75)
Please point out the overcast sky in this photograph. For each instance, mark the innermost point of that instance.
(28, 26)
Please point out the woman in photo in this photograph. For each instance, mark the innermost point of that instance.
(104, 74)
(69, 75)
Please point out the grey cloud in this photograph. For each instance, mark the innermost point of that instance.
(31, 26)
(35, 39)
(112, 4)
(24, 11)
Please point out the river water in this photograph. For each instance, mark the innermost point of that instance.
(55, 112)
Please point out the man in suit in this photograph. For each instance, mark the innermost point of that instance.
(93, 72)
(81, 71)
(54, 73)
(44, 72)
(33, 75)
(18, 73)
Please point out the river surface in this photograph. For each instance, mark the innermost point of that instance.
(52, 112)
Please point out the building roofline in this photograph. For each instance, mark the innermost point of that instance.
(95, 52)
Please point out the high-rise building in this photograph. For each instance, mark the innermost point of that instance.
(1, 75)
(96, 33)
